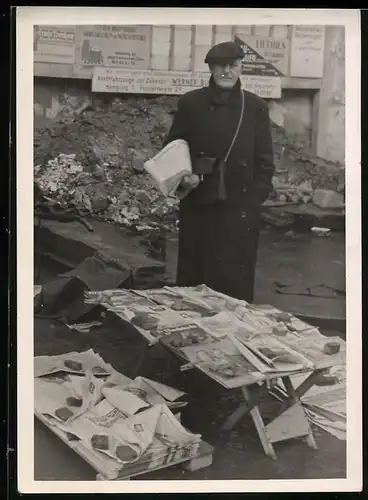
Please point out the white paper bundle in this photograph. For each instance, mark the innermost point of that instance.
(169, 166)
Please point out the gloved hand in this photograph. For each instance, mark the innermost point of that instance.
(188, 183)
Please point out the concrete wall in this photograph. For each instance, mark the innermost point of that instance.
(330, 133)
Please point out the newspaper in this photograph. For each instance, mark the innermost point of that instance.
(215, 300)
(312, 348)
(169, 166)
(179, 336)
(117, 426)
(72, 362)
(223, 324)
(222, 361)
(269, 355)
(119, 297)
(169, 298)
(155, 392)
(325, 405)
(148, 317)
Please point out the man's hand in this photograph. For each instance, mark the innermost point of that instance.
(188, 183)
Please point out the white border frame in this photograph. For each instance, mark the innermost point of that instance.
(26, 18)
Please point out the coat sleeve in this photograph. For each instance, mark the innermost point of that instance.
(180, 126)
(264, 159)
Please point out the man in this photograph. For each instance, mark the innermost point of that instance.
(220, 206)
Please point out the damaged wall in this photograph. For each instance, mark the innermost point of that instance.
(330, 134)
(294, 113)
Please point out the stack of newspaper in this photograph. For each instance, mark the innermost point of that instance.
(169, 166)
(121, 426)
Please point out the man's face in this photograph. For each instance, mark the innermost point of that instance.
(226, 75)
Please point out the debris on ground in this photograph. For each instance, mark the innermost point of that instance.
(93, 160)
(321, 231)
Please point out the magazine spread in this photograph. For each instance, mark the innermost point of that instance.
(177, 337)
(273, 356)
(169, 166)
(312, 348)
(222, 361)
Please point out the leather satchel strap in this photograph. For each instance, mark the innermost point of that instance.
(222, 167)
(238, 127)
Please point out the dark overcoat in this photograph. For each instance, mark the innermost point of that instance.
(218, 240)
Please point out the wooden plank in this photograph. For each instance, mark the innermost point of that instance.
(222, 34)
(260, 427)
(262, 29)
(280, 31)
(160, 48)
(243, 30)
(203, 459)
(290, 424)
(159, 62)
(203, 35)
(181, 63)
(55, 70)
(301, 83)
(161, 33)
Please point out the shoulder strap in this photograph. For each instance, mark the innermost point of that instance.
(238, 127)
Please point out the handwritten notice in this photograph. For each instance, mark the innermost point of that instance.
(172, 82)
(54, 44)
(307, 47)
(112, 46)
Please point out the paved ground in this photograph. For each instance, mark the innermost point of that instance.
(301, 259)
(239, 455)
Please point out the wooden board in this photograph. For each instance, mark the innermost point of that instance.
(292, 423)
(202, 459)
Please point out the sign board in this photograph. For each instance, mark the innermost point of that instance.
(255, 64)
(113, 46)
(171, 82)
(264, 55)
(267, 87)
(54, 44)
(307, 47)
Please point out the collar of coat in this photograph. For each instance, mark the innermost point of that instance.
(221, 97)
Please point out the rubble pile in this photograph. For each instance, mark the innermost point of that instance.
(94, 161)
(299, 174)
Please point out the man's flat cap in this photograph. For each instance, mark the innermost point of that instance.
(225, 51)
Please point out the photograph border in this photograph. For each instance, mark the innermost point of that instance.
(26, 18)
